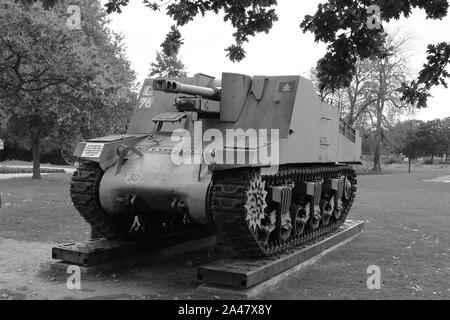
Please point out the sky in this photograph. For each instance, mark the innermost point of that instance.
(286, 50)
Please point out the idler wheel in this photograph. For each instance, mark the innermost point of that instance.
(347, 188)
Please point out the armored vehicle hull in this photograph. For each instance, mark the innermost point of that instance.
(263, 158)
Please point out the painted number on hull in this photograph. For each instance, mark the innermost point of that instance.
(93, 150)
(146, 102)
(133, 178)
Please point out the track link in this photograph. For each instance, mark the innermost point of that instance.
(228, 196)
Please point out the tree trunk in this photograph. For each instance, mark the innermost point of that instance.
(377, 150)
(36, 146)
(351, 115)
(410, 151)
(381, 96)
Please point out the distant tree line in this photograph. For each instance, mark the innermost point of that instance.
(417, 138)
(412, 139)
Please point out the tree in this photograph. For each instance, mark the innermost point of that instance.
(444, 128)
(388, 76)
(410, 147)
(167, 64)
(399, 135)
(432, 138)
(416, 138)
(167, 67)
(434, 73)
(426, 139)
(440, 131)
(344, 26)
(355, 99)
(56, 82)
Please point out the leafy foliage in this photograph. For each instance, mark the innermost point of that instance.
(60, 85)
(172, 43)
(433, 73)
(167, 67)
(433, 138)
(167, 64)
(417, 138)
(343, 26)
(248, 17)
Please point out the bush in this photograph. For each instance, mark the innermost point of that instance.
(392, 159)
(14, 151)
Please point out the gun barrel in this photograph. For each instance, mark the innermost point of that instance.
(178, 87)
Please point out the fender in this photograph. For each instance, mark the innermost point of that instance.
(104, 150)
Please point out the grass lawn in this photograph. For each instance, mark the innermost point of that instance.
(40, 210)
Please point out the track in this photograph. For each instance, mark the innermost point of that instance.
(84, 189)
(229, 194)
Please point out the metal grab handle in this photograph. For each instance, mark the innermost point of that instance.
(122, 152)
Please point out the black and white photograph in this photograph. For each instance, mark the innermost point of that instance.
(224, 155)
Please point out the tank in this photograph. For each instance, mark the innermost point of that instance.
(263, 158)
